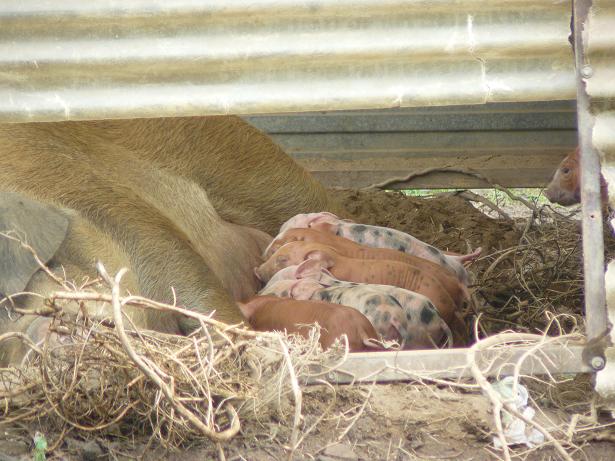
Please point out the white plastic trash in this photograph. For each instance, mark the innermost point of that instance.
(515, 429)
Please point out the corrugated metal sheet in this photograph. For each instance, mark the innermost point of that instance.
(76, 59)
(513, 144)
(599, 73)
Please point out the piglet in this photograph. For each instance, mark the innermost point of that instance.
(398, 315)
(382, 272)
(350, 249)
(381, 237)
(565, 187)
(270, 313)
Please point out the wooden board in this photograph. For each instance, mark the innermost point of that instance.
(554, 359)
(515, 145)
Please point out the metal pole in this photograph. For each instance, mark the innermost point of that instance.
(593, 244)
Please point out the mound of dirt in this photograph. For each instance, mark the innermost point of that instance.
(448, 222)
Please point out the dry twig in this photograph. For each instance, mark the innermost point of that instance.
(186, 387)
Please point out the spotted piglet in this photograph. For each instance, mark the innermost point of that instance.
(397, 314)
(381, 237)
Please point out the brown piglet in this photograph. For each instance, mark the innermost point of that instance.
(345, 247)
(270, 313)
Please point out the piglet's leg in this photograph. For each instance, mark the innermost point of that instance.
(464, 258)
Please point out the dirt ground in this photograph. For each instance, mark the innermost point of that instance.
(398, 422)
(448, 222)
(402, 421)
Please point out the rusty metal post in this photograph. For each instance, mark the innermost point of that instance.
(593, 244)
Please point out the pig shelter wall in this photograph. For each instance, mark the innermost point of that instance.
(512, 144)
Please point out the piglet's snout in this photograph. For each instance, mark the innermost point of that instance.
(393, 334)
(560, 196)
(551, 193)
(555, 194)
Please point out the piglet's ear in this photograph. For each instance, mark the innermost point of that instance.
(323, 226)
(309, 269)
(247, 309)
(322, 257)
(257, 273)
(271, 248)
(321, 218)
(303, 289)
(282, 260)
(279, 242)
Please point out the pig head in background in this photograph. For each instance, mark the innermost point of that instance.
(447, 297)
(271, 313)
(381, 237)
(565, 187)
(398, 315)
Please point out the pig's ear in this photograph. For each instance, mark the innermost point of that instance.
(323, 226)
(320, 219)
(276, 243)
(329, 215)
(310, 268)
(270, 249)
(303, 290)
(43, 227)
(247, 309)
(281, 260)
(323, 258)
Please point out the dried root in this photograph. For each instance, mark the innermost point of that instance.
(103, 375)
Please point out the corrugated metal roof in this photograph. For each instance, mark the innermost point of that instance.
(74, 59)
(600, 84)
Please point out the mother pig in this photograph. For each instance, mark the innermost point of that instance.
(187, 203)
